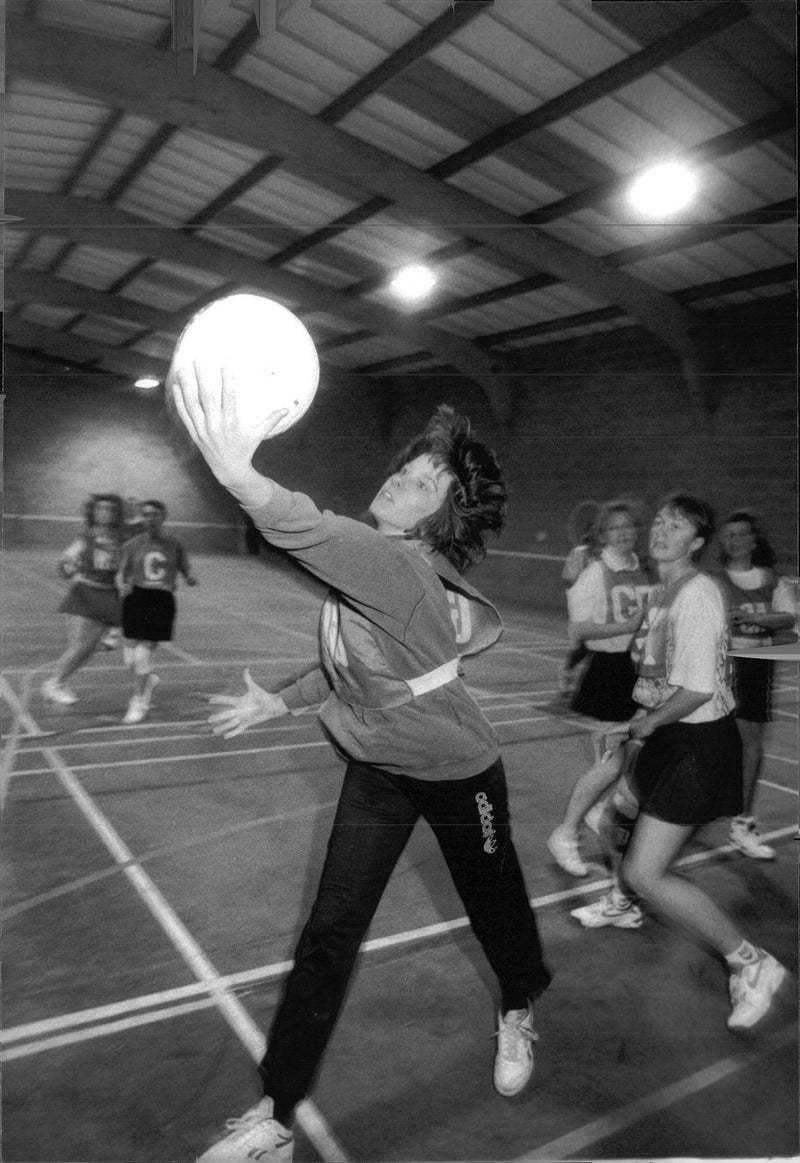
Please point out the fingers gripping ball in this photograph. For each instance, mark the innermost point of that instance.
(268, 352)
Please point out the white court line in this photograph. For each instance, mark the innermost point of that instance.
(781, 758)
(785, 714)
(278, 969)
(231, 1008)
(180, 653)
(228, 752)
(791, 791)
(573, 1144)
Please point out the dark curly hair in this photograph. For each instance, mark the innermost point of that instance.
(475, 503)
(763, 554)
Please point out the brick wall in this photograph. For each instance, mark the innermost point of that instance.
(587, 419)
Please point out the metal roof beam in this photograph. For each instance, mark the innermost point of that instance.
(93, 223)
(138, 78)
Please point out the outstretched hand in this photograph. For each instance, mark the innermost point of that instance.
(206, 404)
(255, 706)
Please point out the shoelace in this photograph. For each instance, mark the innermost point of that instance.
(508, 1044)
(243, 1121)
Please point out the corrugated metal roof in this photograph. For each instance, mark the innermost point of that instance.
(538, 112)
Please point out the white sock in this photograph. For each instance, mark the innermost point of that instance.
(746, 954)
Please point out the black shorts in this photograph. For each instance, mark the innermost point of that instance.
(751, 679)
(690, 773)
(606, 688)
(148, 615)
(98, 603)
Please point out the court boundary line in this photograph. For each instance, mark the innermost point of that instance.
(569, 1145)
(278, 969)
(251, 1037)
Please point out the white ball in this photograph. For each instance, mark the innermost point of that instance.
(265, 348)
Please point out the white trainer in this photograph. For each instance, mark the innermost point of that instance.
(565, 851)
(256, 1137)
(752, 989)
(611, 909)
(513, 1062)
(137, 709)
(56, 693)
(745, 836)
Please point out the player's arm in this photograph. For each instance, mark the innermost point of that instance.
(680, 703)
(70, 560)
(257, 705)
(184, 567)
(769, 619)
(122, 576)
(290, 520)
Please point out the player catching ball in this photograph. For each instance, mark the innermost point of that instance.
(147, 578)
(397, 621)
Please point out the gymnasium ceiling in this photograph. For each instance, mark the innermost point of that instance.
(160, 153)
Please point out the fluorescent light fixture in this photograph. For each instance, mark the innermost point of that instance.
(663, 190)
(414, 282)
(147, 382)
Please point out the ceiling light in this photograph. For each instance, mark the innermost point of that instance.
(414, 282)
(147, 382)
(663, 190)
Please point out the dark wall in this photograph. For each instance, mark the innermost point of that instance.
(588, 419)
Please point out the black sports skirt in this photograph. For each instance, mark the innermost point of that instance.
(606, 688)
(690, 773)
(148, 615)
(95, 602)
(752, 688)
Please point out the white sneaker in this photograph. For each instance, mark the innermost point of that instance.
(612, 909)
(56, 693)
(513, 1062)
(256, 1137)
(112, 638)
(752, 989)
(137, 709)
(745, 836)
(565, 851)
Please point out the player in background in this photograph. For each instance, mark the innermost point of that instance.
(749, 582)
(92, 604)
(131, 525)
(147, 579)
(398, 618)
(688, 771)
(605, 605)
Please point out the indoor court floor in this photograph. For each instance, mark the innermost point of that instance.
(157, 876)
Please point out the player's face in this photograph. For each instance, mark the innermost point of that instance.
(152, 518)
(673, 537)
(620, 532)
(414, 492)
(737, 539)
(105, 513)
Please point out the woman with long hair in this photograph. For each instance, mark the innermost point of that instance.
(92, 604)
